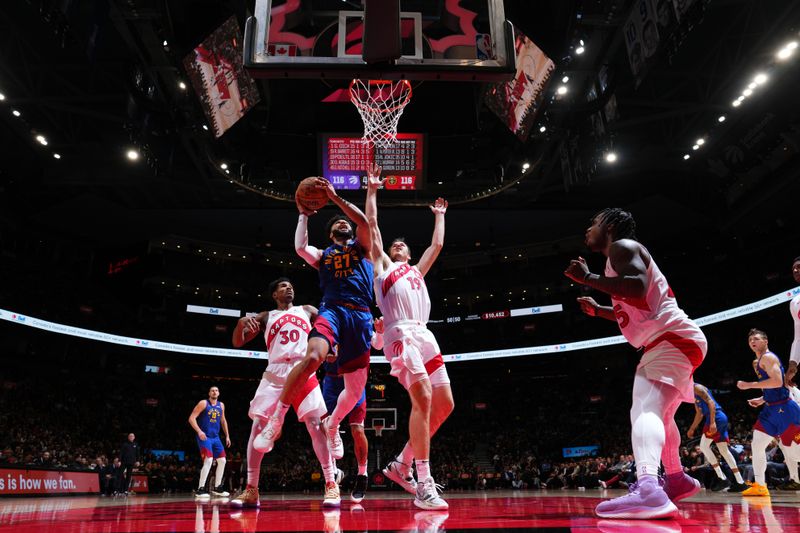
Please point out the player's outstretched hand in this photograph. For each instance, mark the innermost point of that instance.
(374, 180)
(588, 305)
(577, 270)
(327, 186)
(742, 385)
(439, 207)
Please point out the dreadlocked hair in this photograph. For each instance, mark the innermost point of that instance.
(622, 221)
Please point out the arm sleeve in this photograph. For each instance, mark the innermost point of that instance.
(309, 253)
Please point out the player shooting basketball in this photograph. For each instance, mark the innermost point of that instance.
(343, 328)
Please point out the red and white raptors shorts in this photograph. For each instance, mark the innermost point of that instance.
(414, 354)
(672, 358)
(307, 403)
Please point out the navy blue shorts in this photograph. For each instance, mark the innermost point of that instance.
(348, 332)
(211, 447)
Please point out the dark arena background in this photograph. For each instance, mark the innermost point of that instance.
(150, 151)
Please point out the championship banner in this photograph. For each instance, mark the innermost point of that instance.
(225, 88)
(517, 102)
(641, 37)
(21, 481)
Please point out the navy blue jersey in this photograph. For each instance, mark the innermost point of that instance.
(210, 419)
(777, 394)
(704, 407)
(345, 275)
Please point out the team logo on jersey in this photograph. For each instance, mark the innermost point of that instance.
(287, 318)
(342, 262)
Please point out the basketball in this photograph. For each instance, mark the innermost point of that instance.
(309, 196)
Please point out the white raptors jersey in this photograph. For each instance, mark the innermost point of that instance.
(794, 306)
(402, 295)
(642, 320)
(287, 335)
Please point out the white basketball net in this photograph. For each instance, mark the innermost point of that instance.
(380, 104)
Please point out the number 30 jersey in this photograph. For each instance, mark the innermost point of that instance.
(402, 295)
(287, 335)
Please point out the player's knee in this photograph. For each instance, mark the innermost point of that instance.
(443, 404)
(208, 461)
(422, 395)
(221, 462)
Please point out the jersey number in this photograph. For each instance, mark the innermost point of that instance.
(341, 261)
(622, 317)
(416, 283)
(291, 336)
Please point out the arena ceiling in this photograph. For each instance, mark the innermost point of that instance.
(95, 78)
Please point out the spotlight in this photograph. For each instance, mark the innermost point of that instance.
(182, 86)
(562, 90)
(700, 141)
(57, 156)
(760, 78)
(565, 79)
(752, 85)
(695, 147)
(686, 156)
(133, 155)
(787, 50)
(16, 113)
(721, 118)
(41, 140)
(611, 157)
(2, 97)
(736, 103)
(747, 92)
(580, 50)
(224, 166)
(543, 129)
(205, 127)
(165, 43)
(526, 165)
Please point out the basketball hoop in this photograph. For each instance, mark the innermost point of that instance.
(378, 429)
(380, 104)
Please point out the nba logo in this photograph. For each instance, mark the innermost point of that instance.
(483, 44)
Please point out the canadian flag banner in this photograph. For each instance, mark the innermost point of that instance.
(282, 49)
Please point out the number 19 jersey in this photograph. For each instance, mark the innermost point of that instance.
(401, 294)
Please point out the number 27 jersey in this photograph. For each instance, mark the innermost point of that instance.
(287, 334)
(402, 294)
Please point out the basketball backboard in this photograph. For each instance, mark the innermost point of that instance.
(463, 40)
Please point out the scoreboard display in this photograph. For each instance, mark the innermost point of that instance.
(345, 159)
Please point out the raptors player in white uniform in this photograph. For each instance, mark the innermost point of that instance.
(674, 346)
(794, 308)
(410, 347)
(286, 334)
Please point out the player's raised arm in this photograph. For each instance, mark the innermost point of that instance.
(626, 260)
(247, 329)
(380, 260)
(309, 253)
(353, 213)
(439, 209)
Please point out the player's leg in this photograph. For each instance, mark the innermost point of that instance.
(758, 447)
(652, 401)
(207, 455)
(316, 353)
(354, 383)
(361, 448)
(790, 457)
(310, 406)
(721, 481)
(219, 453)
(726, 454)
